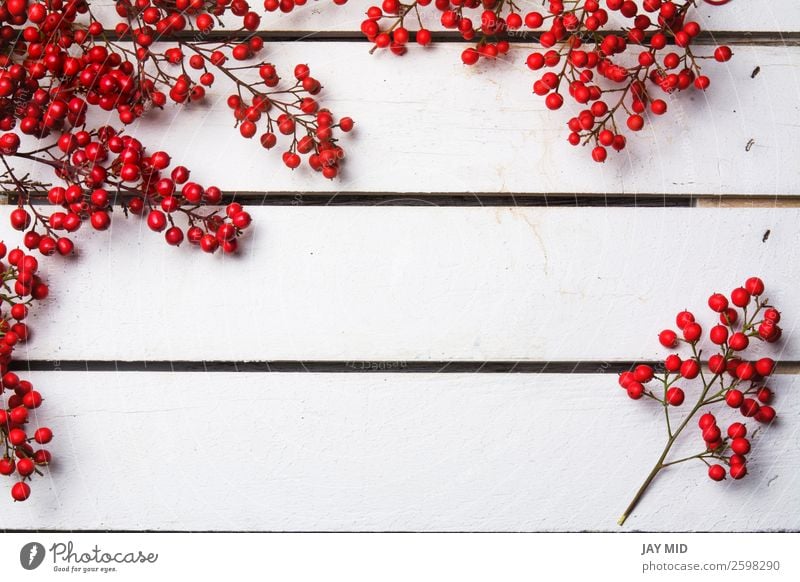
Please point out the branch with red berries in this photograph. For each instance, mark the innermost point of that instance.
(617, 80)
(21, 287)
(726, 379)
(61, 69)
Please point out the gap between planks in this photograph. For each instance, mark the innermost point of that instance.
(500, 200)
(747, 201)
(436, 199)
(708, 37)
(351, 367)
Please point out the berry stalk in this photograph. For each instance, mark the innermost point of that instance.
(731, 336)
(660, 464)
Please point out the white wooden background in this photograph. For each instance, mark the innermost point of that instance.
(360, 285)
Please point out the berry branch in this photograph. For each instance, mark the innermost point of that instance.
(617, 79)
(18, 454)
(61, 70)
(735, 381)
(60, 67)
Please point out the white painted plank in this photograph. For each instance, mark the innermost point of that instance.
(415, 283)
(475, 452)
(430, 124)
(323, 15)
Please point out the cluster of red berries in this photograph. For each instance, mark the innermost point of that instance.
(728, 378)
(106, 158)
(56, 68)
(18, 400)
(496, 17)
(745, 390)
(60, 69)
(590, 64)
(294, 110)
(735, 440)
(287, 6)
(593, 67)
(311, 128)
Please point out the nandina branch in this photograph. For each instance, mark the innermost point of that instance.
(731, 336)
(58, 71)
(652, 54)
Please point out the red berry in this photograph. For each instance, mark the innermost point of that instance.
(209, 243)
(20, 491)
(599, 154)
(772, 315)
(470, 56)
(554, 101)
(100, 220)
(248, 129)
(18, 415)
(675, 396)
(718, 302)
(718, 334)
(740, 297)
(754, 286)
(745, 371)
(734, 398)
(635, 390)
(723, 53)
(423, 36)
(301, 72)
(43, 435)
(156, 220)
(728, 317)
(643, 373)
(20, 219)
(737, 460)
(749, 407)
(769, 332)
(7, 466)
(738, 470)
(683, 318)
(706, 420)
(765, 414)
(174, 236)
(737, 430)
(738, 341)
(291, 160)
(716, 472)
(711, 433)
(690, 369)
(241, 220)
(668, 338)
(533, 20)
(692, 332)
(25, 467)
(17, 436)
(42, 457)
(32, 399)
(702, 82)
(672, 363)
(226, 232)
(740, 446)
(658, 106)
(10, 380)
(635, 122)
(625, 379)
(764, 395)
